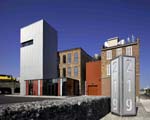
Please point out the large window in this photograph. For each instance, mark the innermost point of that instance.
(75, 71)
(109, 54)
(108, 69)
(27, 43)
(76, 57)
(69, 58)
(118, 51)
(69, 71)
(129, 50)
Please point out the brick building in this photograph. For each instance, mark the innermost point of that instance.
(113, 48)
(93, 78)
(72, 63)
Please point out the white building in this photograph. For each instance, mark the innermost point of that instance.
(38, 56)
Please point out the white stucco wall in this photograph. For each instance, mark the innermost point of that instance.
(35, 60)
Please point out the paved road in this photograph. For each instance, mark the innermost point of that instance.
(15, 99)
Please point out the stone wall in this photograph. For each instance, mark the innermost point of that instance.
(74, 108)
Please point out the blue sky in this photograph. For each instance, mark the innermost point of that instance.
(80, 23)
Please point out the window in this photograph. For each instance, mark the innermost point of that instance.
(118, 51)
(64, 72)
(69, 71)
(129, 50)
(64, 58)
(76, 71)
(69, 58)
(109, 54)
(30, 92)
(108, 69)
(76, 57)
(27, 43)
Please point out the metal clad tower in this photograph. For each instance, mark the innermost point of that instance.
(38, 54)
(123, 99)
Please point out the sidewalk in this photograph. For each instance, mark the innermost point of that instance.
(9, 99)
(34, 96)
(146, 104)
(142, 113)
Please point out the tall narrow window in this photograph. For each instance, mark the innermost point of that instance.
(76, 57)
(30, 87)
(27, 43)
(109, 54)
(69, 71)
(118, 51)
(75, 71)
(69, 58)
(64, 72)
(108, 69)
(129, 50)
(64, 58)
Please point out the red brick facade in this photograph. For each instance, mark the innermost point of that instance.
(34, 89)
(93, 78)
(41, 87)
(27, 87)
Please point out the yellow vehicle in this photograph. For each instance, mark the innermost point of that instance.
(8, 84)
(7, 77)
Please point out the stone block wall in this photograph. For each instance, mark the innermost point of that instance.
(74, 108)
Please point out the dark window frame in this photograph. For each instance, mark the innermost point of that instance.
(27, 43)
(64, 72)
(64, 59)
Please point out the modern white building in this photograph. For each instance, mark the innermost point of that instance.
(38, 56)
